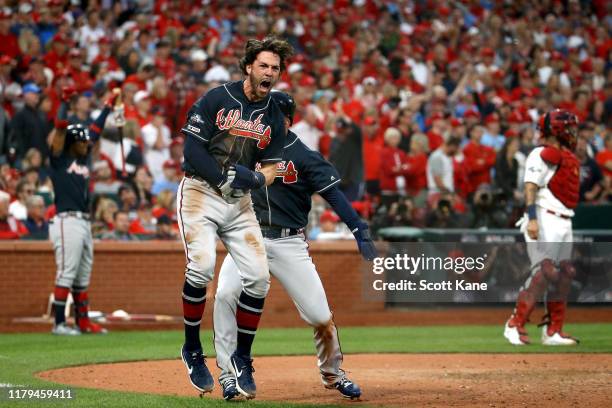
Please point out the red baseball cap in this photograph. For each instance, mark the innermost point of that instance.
(328, 215)
(492, 118)
(511, 133)
(471, 113)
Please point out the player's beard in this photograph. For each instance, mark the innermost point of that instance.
(261, 86)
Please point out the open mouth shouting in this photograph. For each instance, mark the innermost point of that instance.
(265, 86)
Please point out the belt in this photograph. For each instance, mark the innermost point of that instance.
(565, 217)
(77, 214)
(201, 179)
(195, 177)
(279, 232)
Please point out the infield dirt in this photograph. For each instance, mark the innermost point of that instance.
(398, 380)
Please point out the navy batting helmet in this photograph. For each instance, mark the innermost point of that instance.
(285, 102)
(76, 133)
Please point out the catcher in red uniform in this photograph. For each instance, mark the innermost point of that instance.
(552, 182)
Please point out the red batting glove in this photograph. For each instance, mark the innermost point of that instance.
(68, 92)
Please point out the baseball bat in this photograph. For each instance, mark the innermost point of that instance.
(120, 122)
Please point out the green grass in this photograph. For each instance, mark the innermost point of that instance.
(22, 355)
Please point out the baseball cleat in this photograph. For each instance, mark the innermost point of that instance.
(199, 375)
(347, 388)
(62, 329)
(92, 328)
(515, 334)
(557, 338)
(229, 389)
(242, 368)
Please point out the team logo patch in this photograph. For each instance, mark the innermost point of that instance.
(287, 172)
(251, 129)
(196, 118)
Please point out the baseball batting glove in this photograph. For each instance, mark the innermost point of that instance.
(245, 179)
(230, 194)
(364, 241)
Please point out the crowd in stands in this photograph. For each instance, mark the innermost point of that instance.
(428, 109)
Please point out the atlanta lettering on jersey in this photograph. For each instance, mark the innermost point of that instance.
(244, 128)
(76, 168)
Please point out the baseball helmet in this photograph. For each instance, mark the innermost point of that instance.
(76, 133)
(285, 102)
(562, 125)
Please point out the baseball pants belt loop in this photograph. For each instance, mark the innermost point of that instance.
(202, 180)
(77, 214)
(279, 232)
(565, 217)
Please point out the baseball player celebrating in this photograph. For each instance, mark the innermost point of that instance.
(282, 210)
(228, 130)
(551, 192)
(70, 229)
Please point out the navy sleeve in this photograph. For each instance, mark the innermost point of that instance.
(342, 207)
(95, 129)
(200, 119)
(320, 173)
(200, 159)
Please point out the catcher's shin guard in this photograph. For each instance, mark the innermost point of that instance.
(552, 322)
(532, 290)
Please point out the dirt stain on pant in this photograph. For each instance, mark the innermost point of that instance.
(254, 243)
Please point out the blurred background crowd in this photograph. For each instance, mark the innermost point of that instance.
(427, 108)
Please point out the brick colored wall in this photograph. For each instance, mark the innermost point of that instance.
(146, 277)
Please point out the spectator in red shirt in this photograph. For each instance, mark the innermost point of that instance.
(479, 160)
(416, 173)
(57, 58)
(435, 134)
(81, 78)
(373, 143)
(163, 60)
(10, 228)
(604, 157)
(8, 40)
(394, 167)
(142, 111)
(146, 72)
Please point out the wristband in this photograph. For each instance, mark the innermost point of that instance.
(260, 179)
(531, 212)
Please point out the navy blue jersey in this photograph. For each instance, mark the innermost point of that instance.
(70, 176)
(235, 130)
(303, 172)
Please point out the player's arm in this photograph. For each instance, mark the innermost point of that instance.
(536, 167)
(531, 190)
(249, 179)
(206, 166)
(96, 128)
(349, 216)
(269, 172)
(58, 139)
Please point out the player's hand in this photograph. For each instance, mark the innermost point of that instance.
(246, 179)
(68, 92)
(532, 229)
(233, 196)
(226, 184)
(364, 242)
(112, 99)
